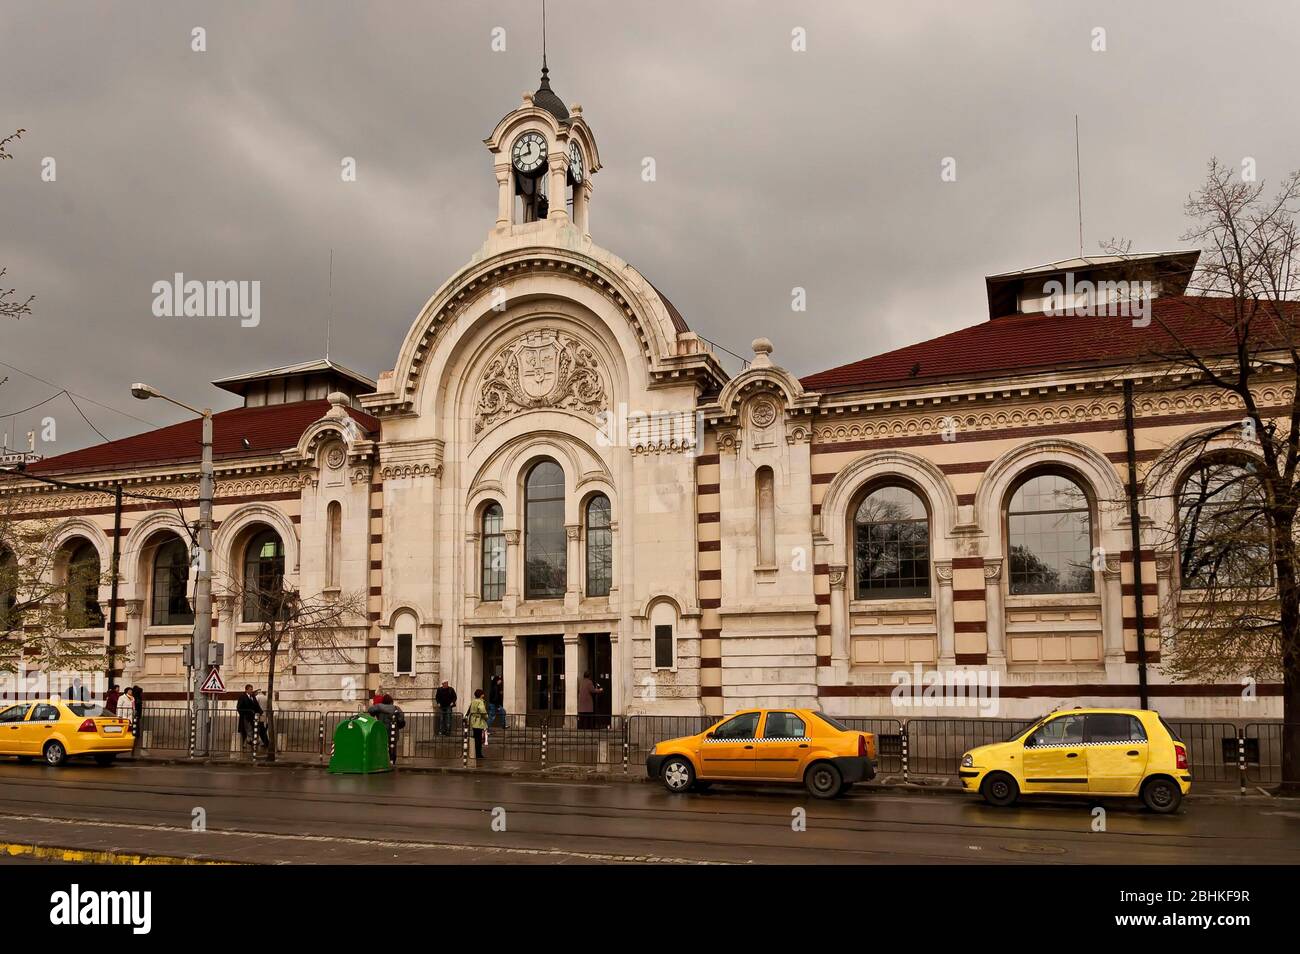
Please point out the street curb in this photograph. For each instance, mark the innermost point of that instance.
(95, 856)
(573, 774)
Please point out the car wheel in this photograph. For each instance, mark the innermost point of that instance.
(1162, 795)
(106, 758)
(55, 753)
(1000, 789)
(678, 775)
(824, 780)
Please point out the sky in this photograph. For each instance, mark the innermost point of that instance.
(776, 168)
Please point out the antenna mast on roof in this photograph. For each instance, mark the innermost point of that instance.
(329, 315)
(1078, 181)
(543, 36)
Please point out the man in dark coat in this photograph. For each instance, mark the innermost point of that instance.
(249, 709)
(445, 697)
(110, 699)
(394, 720)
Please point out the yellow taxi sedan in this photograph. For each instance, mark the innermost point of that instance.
(1094, 752)
(768, 745)
(58, 729)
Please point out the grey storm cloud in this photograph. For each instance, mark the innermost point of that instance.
(776, 169)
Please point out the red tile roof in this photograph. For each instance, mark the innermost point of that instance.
(1018, 343)
(268, 429)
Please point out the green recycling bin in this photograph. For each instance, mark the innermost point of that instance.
(360, 746)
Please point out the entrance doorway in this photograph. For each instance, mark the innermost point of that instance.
(598, 661)
(493, 662)
(545, 678)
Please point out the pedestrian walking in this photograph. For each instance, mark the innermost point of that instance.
(478, 721)
(496, 701)
(77, 691)
(394, 720)
(587, 692)
(250, 711)
(126, 710)
(445, 698)
(111, 697)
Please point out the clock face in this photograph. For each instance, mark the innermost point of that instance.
(529, 153)
(576, 169)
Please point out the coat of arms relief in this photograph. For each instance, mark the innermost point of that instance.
(541, 369)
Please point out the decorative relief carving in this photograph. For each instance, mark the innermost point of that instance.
(838, 572)
(335, 457)
(762, 413)
(411, 470)
(943, 571)
(541, 369)
(992, 570)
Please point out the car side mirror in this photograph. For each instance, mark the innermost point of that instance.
(708, 735)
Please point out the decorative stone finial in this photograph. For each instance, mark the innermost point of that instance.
(762, 349)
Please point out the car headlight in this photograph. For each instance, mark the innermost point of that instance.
(967, 761)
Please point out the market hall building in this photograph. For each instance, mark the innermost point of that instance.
(558, 476)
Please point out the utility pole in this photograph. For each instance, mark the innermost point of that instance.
(201, 642)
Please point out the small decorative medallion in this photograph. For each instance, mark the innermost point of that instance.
(335, 457)
(762, 413)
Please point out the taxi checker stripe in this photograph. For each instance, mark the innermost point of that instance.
(1076, 745)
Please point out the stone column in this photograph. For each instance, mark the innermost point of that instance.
(944, 614)
(1165, 610)
(472, 593)
(995, 620)
(839, 615)
(514, 572)
(572, 674)
(1113, 615)
(617, 676)
(134, 639)
(559, 171)
(512, 674)
(573, 587)
(504, 198)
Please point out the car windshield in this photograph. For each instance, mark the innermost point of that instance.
(832, 722)
(1030, 728)
(87, 709)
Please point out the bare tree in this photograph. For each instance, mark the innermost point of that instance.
(10, 305)
(1238, 610)
(46, 603)
(294, 628)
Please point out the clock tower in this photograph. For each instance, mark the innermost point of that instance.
(544, 156)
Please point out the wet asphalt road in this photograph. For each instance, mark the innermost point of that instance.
(260, 814)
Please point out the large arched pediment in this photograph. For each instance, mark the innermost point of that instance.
(478, 293)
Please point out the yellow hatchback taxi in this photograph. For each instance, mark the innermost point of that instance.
(1093, 752)
(58, 729)
(768, 745)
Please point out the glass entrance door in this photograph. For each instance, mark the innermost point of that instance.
(599, 663)
(545, 678)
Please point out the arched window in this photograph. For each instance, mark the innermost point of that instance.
(600, 547)
(765, 515)
(492, 579)
(263, 575)
(1049, 536)
(171, 571)
(545, 564)
(1223, 538)
(83, 587)
(8, 590)
(333, 543)
(891, 545)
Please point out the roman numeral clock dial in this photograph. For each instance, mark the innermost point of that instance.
(529, 153)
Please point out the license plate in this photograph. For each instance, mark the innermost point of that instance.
(112, 729)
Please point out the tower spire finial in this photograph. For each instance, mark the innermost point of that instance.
(545, 71)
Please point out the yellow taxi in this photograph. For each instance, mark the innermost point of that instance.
(1092, 752)
(58, 729)
(768, 745)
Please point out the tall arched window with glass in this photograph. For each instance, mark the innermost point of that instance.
(891, 545)
(263, 576)
(83, 611)
(333, 544)
(492, 576)
(1049, 537)
(545, 542)
(1223, 536)
(600, 547)
(171, 572)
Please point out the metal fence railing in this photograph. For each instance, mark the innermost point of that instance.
(1216, 751)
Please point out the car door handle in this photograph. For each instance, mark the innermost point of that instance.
(803, 745)
(749, 746)
(1071, 755)
(1132, 752)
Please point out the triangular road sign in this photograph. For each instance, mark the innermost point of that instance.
(213, 683)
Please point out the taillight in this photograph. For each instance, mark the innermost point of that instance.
(1180, 756)
(862, 745)
(87, 726)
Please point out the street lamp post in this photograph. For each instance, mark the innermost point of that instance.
(202, 638)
